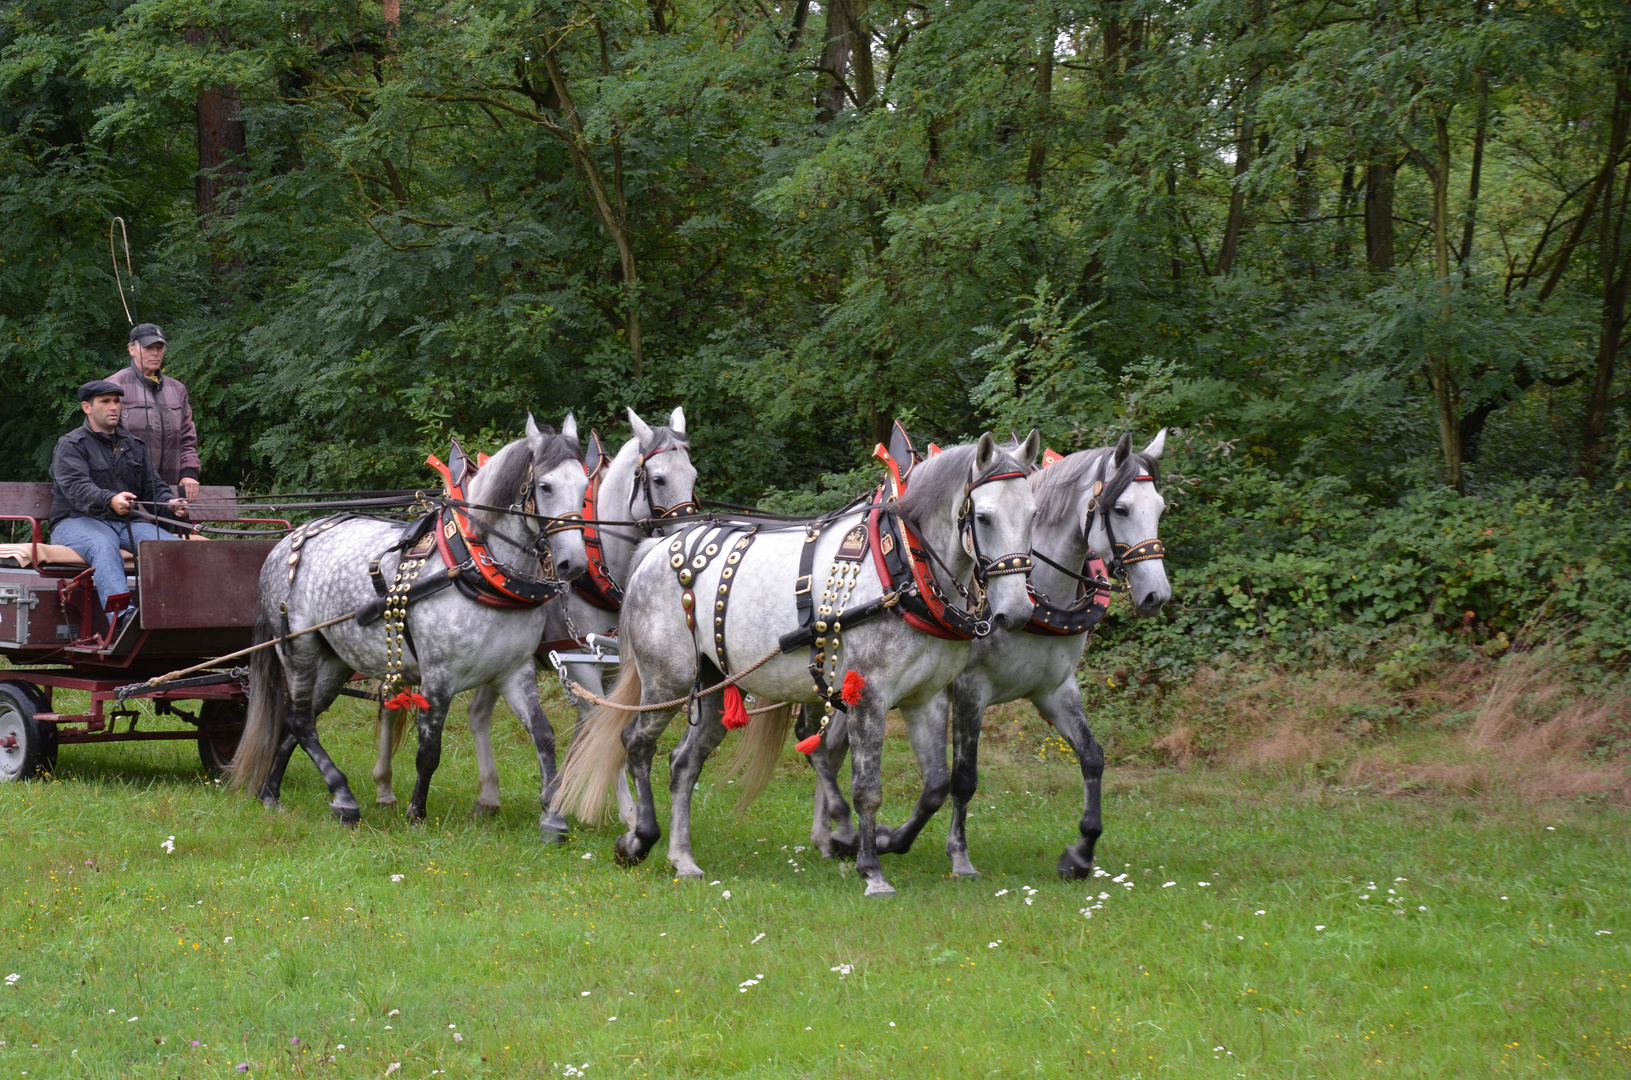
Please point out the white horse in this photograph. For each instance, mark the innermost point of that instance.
(963, 503)
(1102, 502)
(452, 642)
(651, 478)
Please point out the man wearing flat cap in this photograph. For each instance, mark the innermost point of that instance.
(104, 491)
(157, 412)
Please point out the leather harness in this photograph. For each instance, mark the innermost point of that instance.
(595, 585)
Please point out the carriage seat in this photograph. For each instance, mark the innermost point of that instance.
(52, 557)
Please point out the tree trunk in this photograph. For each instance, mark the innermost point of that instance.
(608, 206)
(1044, 118)
(1235, 226)
(1480, 133)
(1446, 392)
(833, 91)
(1612, 271)
(1345, 205)
(221, 147)
(860, 51)
(1305, 206)
(1379, 214)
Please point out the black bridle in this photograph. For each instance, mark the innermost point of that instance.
(1100, 503)
(659, 513)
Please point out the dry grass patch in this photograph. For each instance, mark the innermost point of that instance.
(1515, 726)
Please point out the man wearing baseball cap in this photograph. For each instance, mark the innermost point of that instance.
(103, 490)
(157, 411)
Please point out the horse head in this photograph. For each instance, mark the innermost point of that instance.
(1123, 519)
(664, 485)
(541, 473)
(973, 505)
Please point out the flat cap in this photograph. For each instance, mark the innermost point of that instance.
(147, 333)
(98, 387)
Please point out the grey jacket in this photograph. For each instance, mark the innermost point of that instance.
(159, 414)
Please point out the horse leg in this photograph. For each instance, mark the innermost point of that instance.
(481, 730)
(385, 733)
(967, 715)
(640, 743)
(429, 756)
(866, 788)
(1062, 707)
(832, 831)
(588, 677)
(521, 691)
(684, 768)
(316, 692)
(272, 790)
(926, 727)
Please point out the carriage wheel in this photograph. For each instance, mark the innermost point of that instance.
(215, 752)
(27, 746)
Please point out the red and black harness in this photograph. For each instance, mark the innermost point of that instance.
(462, 549)
(596, 585)
(905, 566)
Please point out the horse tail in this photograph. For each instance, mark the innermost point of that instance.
(398, 720)
(268, 706)
(758, 752)
(597, 752)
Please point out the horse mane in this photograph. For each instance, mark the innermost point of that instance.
(936, 479)
(497, 482)
(1056, 486)
(664, 437)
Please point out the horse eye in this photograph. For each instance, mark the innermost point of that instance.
(659, 481)
(983, 519)
(1121, 511)
(546, 489)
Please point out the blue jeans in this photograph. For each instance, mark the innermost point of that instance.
(98, 542)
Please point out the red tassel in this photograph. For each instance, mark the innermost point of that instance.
(736, 714)
(854, 687)
(808, 746)
(407, 699)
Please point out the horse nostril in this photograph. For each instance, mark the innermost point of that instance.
(1151, 601)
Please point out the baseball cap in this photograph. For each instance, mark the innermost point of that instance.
(147, 333)
(98, 387)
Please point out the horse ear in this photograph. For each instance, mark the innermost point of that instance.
(569, 427)
(985, 452)
(676, 419)
(642, 430)
(1157, 444)
(532, 426)
(1029, 448)
(1124, 446)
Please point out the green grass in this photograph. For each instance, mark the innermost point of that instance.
(262, 928)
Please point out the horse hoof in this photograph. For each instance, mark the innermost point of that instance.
(965, 873)
(844, 849)
(1072, 867)
(485, 810)
(271, 803)
(415, 815)
(347, 815)
(626, 854)
(879, 888)
(388, 799)
(552, 836)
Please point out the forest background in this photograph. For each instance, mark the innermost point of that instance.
(1369, 260)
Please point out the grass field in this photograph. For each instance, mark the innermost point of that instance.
(1248, 927)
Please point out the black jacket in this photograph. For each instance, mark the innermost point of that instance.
(90, 468)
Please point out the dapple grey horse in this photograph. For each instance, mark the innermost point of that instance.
(456, 643)
(663, 659)
(1015, 664)
(669, 480)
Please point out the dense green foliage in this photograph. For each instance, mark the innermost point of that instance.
(1356, 252)
(468, 946)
